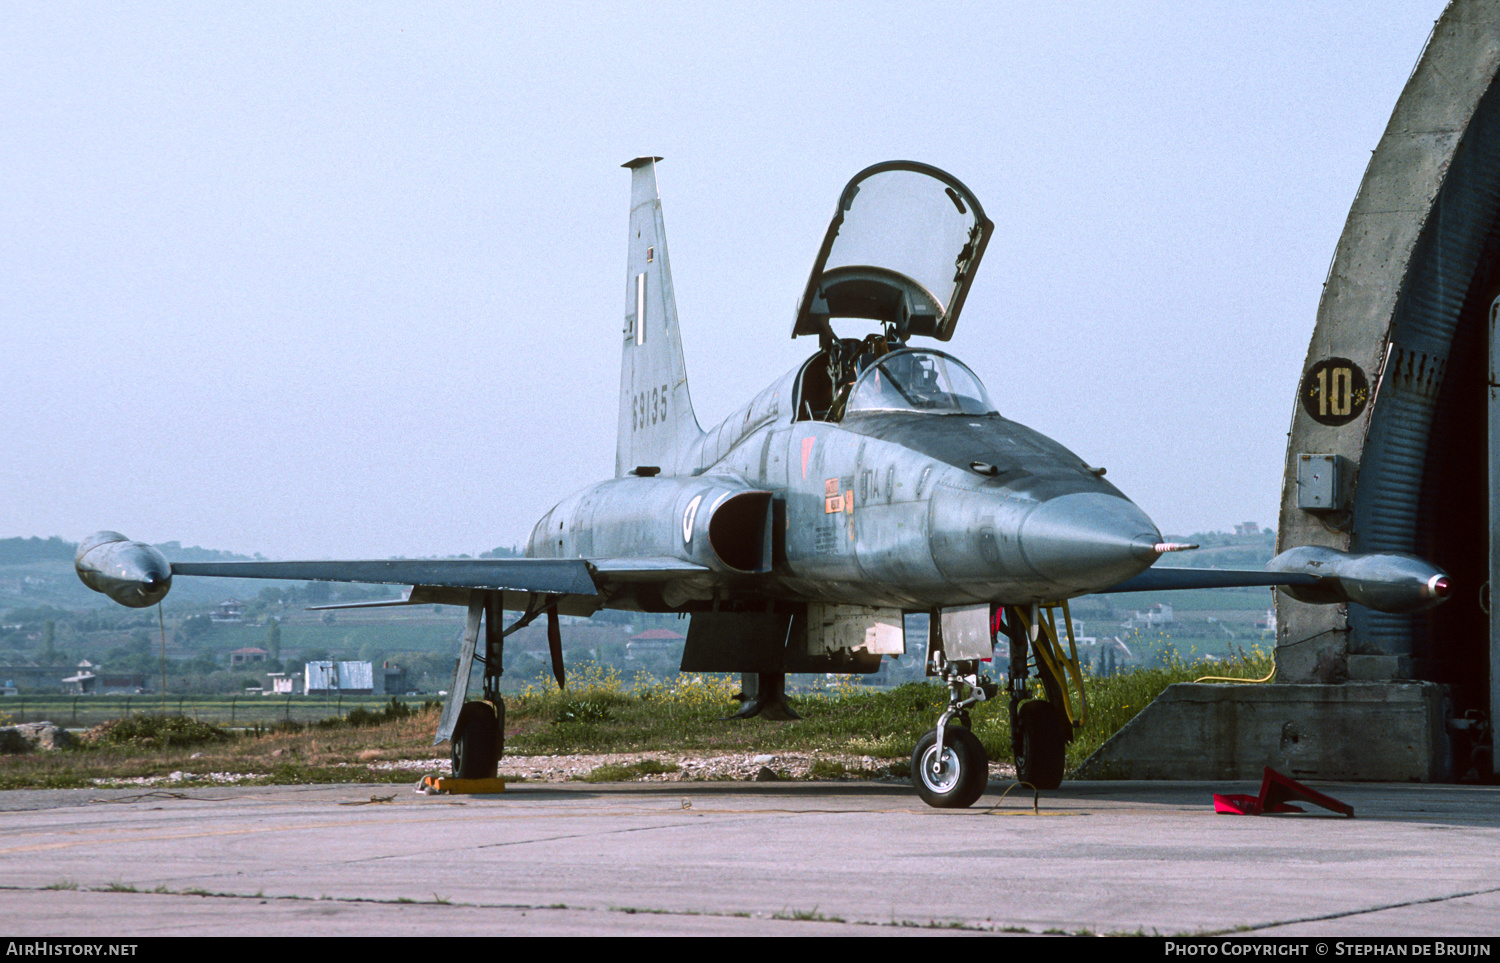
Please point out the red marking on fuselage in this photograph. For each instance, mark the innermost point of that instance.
(807, 446)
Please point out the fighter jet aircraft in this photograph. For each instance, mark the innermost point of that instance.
(876, 479)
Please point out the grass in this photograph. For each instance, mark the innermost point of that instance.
(1116, 700)
(600, 712)
(630, 772)
(156, 731)
(688, 714)
(834, 769)
(290, 755)
(808, 916)
(230, 710)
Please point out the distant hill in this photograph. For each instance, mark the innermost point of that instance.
(177, 553)
(1223, 550)
(24, 551)
(21, 551)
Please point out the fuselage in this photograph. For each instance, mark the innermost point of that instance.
(880, 504)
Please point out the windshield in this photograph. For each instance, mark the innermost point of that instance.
(925, 381)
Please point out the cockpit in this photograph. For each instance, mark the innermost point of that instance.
(901, 250)
(921, 381)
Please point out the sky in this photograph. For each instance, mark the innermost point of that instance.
(344, 280)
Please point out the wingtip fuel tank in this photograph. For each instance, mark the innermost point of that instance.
(1385, 581)
(132, 573)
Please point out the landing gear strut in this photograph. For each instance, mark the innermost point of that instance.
(477, 734)
(764, 694)
(949, 766)
(1037, 735)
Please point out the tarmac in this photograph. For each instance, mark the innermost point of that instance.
(804, 859)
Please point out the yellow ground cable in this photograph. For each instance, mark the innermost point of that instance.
(1225, 678)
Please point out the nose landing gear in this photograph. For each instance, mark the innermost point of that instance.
(949, 766)
(952, 775)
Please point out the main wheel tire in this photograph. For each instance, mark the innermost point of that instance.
(1040, 761)
(959, 778)
(478, 740)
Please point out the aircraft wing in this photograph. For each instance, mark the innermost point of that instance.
(1384, 581)
(578, 586)
(137, 575)
(1164, 579)
(548, 576)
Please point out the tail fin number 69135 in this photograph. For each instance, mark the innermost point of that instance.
(650, 408)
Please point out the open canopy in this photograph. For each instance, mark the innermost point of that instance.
(902, 249)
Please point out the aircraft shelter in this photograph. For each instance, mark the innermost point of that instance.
(1394, 432)
(1394, 446)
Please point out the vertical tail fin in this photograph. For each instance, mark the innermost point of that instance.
(657, 423)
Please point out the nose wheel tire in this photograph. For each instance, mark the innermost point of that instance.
(1041, 754)
(959, 777)
(478, 740)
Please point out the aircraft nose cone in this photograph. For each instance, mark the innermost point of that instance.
(1089, 540)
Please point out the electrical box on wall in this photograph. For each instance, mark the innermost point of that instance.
(1318, 488)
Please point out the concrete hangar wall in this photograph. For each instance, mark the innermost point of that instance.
(1391, 449)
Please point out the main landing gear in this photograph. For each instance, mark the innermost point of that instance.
(1038, 745)
(479, 740)
(477, 733)
(1040, 729)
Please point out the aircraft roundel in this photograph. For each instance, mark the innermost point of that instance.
(690, 516)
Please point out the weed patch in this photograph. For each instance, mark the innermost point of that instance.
(146, 732)
(583, 710)
(812, 916)
(31, 777)
(362, 718)
(629, 772)
(300, 774)
(828, 769)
